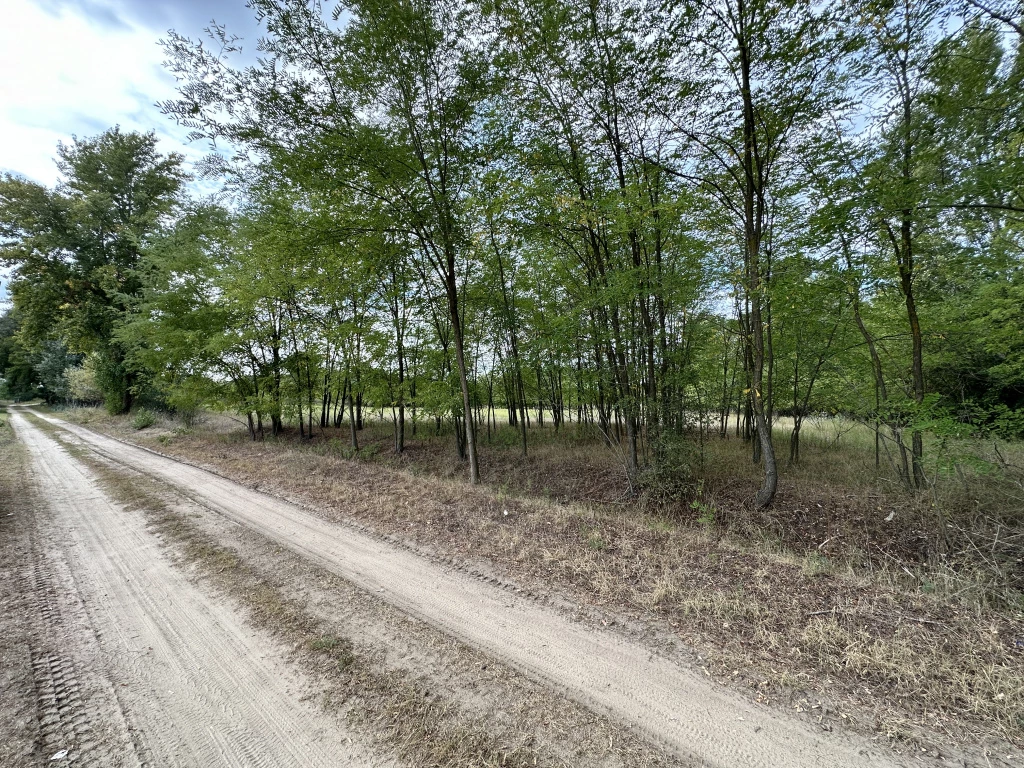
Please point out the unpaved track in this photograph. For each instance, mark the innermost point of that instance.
(77, 705)
(196, 687)
(672, 705)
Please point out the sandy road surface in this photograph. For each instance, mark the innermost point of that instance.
(670, 704)
(190, 683)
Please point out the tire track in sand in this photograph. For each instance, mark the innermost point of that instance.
(197, 687)
(79, 714)
(672, 705)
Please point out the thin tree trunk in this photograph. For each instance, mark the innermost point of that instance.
(754, 217)
(460, 359)
(353, 432)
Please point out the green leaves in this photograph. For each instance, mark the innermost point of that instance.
(78, 249)
(649, 209)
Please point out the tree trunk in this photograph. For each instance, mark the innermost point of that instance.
(460, 360)
(917, 352)
(540, 401)
(753, 220)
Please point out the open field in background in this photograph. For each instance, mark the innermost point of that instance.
(834, 503)
(901, 614)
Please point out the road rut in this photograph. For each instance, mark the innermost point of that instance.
(672, 705)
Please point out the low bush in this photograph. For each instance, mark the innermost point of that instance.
(143, 419)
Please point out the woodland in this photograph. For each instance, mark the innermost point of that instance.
(653, 225)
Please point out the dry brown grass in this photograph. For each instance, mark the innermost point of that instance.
(794, 618)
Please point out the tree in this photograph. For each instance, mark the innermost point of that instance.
(178, 327)
(76, 249)
(773, 69)
(20, 378)
(385, 108)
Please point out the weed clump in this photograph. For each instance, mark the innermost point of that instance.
(143, 419)
(338, 648)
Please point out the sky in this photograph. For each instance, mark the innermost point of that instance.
(77, 67)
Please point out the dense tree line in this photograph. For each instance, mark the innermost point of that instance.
(649, 220)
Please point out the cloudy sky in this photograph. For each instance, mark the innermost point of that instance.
(78, 67)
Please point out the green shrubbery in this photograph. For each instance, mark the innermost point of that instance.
(143, 419)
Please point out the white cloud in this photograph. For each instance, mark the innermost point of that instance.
(66, 74)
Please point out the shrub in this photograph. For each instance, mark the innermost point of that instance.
(143, 419)
(82, 384)
(672, 475)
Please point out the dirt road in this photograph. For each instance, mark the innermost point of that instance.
(671, 705)
(142, 667)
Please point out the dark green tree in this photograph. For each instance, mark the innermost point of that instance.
(76, 249)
